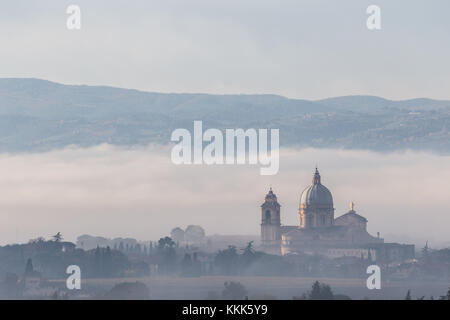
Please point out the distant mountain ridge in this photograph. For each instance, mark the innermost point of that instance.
(373, 103)
(39, 115)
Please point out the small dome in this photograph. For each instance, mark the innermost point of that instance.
(316, 194)
(270, 200)
(271, 196)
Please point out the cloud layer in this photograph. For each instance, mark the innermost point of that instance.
(138, 192)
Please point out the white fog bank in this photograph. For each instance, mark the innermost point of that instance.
(138, 192)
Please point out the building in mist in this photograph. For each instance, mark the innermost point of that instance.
(320, 232)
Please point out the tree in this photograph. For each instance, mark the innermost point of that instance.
(408, 295)
(57, 237)
(227, 260)
(107, 263)
(190, 266)
(249, 255)
(165, 244)
(426, 253)
(167, 251)
(447, 296)
(248, 250)
(315, 291)
(196, 265)
(98, 265)
(320, 291)
(186, 265)
(29, 268)
(234, 291)
(37, 240)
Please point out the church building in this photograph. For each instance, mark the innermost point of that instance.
(318, 231)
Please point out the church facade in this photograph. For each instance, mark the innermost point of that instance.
(318, 231)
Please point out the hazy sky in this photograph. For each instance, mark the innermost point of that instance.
(303, 49)
(138, 192)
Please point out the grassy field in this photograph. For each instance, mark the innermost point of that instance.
(258, 287)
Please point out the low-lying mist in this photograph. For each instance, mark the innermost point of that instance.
(137, 192)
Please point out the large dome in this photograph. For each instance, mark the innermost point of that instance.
(316, 194)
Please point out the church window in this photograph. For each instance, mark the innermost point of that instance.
(267, 216)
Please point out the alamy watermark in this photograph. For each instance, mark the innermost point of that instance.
(374, 280)
(73, 281)
(234, 146)
(74, 20)
(374, 20)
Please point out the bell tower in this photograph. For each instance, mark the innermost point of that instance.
(270, 222)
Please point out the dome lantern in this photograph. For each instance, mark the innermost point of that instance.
(316, 178)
